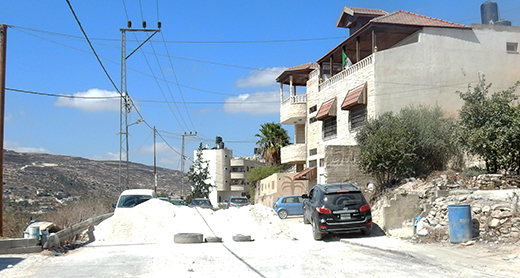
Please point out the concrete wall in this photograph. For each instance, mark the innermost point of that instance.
(341, 166)
(442, 62)
(277, 185)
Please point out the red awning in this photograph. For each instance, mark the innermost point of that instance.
(355, 98)
(327, 110)
(306, 174)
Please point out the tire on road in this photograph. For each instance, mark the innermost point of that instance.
(188, 238)
(316, 233)
(305, 220)
(283, 214)
(213, 239)
(242, 238)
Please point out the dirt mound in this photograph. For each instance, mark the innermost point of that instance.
(157, 221)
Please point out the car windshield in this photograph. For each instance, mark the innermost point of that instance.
(201, 203)
(337, 201)
(129, 201)
(238, 200)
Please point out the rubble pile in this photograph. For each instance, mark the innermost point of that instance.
(157, 221)
(494, 202)
(492, 220)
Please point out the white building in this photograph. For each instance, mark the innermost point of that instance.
(398, 59)
(227, 174)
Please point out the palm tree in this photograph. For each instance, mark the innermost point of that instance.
(272, 138)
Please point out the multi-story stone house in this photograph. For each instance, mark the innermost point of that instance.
(227, 173)
(389, 61)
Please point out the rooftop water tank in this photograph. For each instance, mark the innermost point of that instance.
(489, 12)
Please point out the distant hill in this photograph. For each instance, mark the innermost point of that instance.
(39, 182)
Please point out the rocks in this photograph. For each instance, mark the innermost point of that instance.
(495, 214)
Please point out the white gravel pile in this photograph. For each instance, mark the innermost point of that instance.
(157, 221)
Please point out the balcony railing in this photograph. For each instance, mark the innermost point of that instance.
(295, 99)
(345, 73)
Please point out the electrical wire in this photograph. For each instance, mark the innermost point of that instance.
(92, 47)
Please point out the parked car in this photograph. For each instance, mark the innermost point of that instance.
(288, 205)
(164, 199)
(336, 208)
(133, 197)
(201, 203)
(178, 202)
(238, 202)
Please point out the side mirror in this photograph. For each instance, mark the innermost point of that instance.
(305, 196)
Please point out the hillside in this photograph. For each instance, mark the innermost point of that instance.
(39, 182)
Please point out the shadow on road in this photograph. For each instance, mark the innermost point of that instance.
(376, 232)
(5, 262)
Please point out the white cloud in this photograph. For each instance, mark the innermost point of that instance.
(256, 104)
(260, 78)
(100, 100)
(15, 146)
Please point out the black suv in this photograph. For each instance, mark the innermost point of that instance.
(336, 208)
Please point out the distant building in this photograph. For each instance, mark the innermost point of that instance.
(227, 174)
(389, 61)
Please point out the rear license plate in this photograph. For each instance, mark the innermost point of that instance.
(345, 216)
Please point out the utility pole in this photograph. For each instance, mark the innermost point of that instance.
(125, 101)
(154, 163)
(183, 157)
(3, 47)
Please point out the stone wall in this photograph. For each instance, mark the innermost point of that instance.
(341, 166)
(495, 214)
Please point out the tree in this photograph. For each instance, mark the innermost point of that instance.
(490, 126)
(413, 142)
(254, 175)
(198, 175)
(272, 138)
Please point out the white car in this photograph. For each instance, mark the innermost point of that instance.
(133, 197)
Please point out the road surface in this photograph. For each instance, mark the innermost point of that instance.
(297, 257)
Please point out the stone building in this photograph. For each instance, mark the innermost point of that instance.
(389, 61)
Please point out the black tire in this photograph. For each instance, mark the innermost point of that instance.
(283, 214)
(305, 220)
(366, 231)
(241, 238)
(188, 238)
(213, 239)
(316, 234)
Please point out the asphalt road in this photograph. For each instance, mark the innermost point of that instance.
(299, 257)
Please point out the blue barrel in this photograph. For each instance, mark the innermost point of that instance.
(460, 223)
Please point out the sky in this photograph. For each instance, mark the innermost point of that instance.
(210, 71)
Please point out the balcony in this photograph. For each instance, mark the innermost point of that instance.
(294, 154)
(294, 110)
(238, 175)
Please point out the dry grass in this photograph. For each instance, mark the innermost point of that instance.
(64, 217)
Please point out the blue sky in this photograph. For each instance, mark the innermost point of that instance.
(210, 70)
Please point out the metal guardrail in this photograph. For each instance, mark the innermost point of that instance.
(54, 239)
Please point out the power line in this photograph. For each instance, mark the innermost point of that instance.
(92, 47)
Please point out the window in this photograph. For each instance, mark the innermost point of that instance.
(322, 162)
(512, 47)
(313, 152)
(313, 163)
(312, 120)
(358, 116)
(313, 109)
(329, 128)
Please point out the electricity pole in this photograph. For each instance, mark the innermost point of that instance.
(3, 47)
(183, 157)
(125, 100)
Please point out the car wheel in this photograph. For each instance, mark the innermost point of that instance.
(367, 231)
(188, 238)
(305, 220)
(316, 234)
(282, 214)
